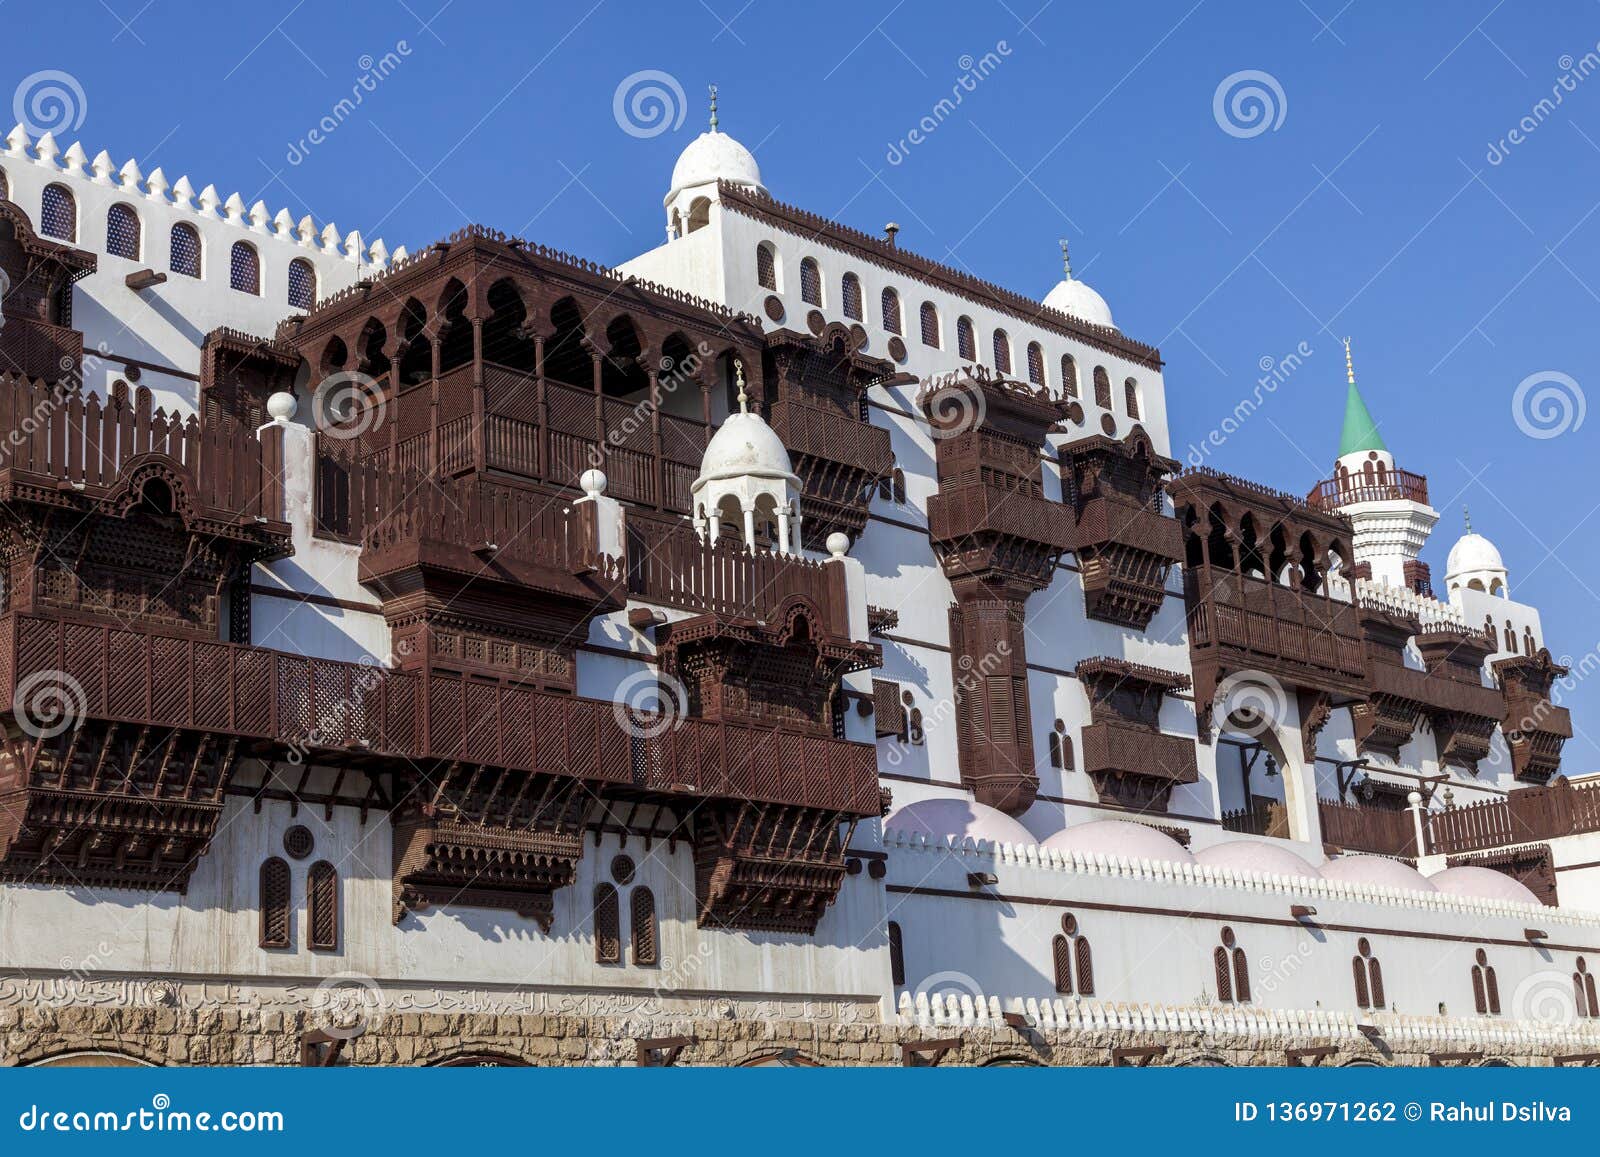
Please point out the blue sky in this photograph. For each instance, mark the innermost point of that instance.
(1371, 208)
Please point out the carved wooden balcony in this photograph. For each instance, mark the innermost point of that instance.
(840, 460)
(1126, 545)
(1534, 727)
(1381, 831)
(41, 351)
(982, 529)
(36, 338)
(1132, 763)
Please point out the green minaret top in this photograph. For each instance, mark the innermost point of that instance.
(1360, 431)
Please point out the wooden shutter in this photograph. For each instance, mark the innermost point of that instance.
(322, 901)
(275, 903)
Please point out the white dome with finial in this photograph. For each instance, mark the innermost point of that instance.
(1076, 299)
(747, 464)
(1475, 564)
(714, 156)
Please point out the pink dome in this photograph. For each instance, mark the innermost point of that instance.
(1482, 884)
(1376, 871)
(941, 818)
(1255, 856)
(1119, 838)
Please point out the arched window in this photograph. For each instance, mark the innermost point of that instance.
(767, 266)
(966, 341)
(1002, 352)
(1083, 958)
(891, 311)
(930, 325)
(1061, 958)
(850, 296)
(897, 486)
(1069, 377)
(185, 257)
(244, 268)
(1583, 992)
(1494, 635)
(1511, 637)
(1102, 388)
(1130, 397)
(1232, 970)
(1528, 645)
(122, 232)
(274, 901)
(810, 282)
(302, 284)
(1368, 976)
(914, 732)
(1485, 986)
(58, 214)
(897, 955)
(699, 213)
(1035, 364)
(646, 939)
(322, 904)
(607, 926)
(1058, 732)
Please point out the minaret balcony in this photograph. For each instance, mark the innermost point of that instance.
(1386, 486)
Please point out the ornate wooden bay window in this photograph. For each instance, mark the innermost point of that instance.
(817, 385)
(998, 541)
(1462, 711)
(1132, 763)
(36, 275)
(1126, 544)
(1534, 727)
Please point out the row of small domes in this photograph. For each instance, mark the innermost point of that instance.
(942, 818)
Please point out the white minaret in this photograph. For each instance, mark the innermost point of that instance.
(1387, 506)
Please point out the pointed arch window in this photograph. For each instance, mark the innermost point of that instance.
(185, 258)
(930, 325)
(1368, 976)
(1511, 637)
(1528, 645)
(607, 926)
(302, 284)
(58, 214)
(1061, 958)
(322, 904)
(244, 268)
(642, 926)
(1102, 388)
(767, 266)
(897, 955)
(850, 296)
(1072, 959)
(966, 341)
(1035, 364)
(1002, 352)
(1069, 376)
(1494, 635)
(810, 282)
(122, 231)
(891, 311)
(274, 903)
(1130, 397)
(1232, 970)
(5, 187)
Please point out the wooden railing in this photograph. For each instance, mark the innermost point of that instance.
(671, 564)
(831, 435)
(1281, 628)
(52, 434)
(332, 711)
(1263, 817)
(960, 511)
(1368, 829)
(1392, 486)
(37, 349)
(1527, 815)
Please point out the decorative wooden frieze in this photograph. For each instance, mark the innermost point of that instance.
(1126, 544)
(1132, 763)
(1534, 727)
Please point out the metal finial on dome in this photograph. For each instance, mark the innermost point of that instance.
(1066, 260)
(713, 108)
(1466, 517)
(738, 376)
(1349, 366)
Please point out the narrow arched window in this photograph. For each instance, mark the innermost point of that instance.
(607, 926)
(58, 214)
(891, 311)
(929, 315)
(767, 266)
(1054, 745)
(1583, 991)
(244, 268)
(810, 282)
(185, 257)
(1130, 396)
(966, 340)
(914, 727)
(1068, 762)
(322, 905)
(1494, 635)
(1069, 377)
(274, 901)
(897, 486)
(5, 187)
(850, 296)
(646, 938)
(897, 955)
(1528, 645)
(1035, 364)
(1002, 352)
(1232, 970)
(1083, 958)
(1511, 637)
(1368, 976)
(302, 284)
(1485, 986)
(122, 232)
(1102, 388)
(1061, 958)
(1219, 961)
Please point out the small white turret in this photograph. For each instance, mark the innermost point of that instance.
(746, 475)
(711, 157)
(1475, 565)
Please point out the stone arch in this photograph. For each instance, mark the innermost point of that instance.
(90, 1052)
(780, 1058)
(699, 213)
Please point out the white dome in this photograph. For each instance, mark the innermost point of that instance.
(745, 447)
(714, 156)
(1075, 299)
(1482, 884)
(1473, 552)
(941, 818)
(1119, 838)
(1376, 871)
(1255, 856)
